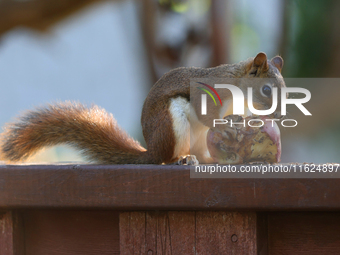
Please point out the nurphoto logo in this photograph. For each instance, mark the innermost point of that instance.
(238, 101)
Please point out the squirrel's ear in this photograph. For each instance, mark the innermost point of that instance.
(278, 62)
(261, 60)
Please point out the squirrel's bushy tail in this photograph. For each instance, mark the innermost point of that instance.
(92, 130)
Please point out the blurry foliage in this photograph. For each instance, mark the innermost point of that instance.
(311, 48)
(244, 39)
(182, 6)
(308, 38)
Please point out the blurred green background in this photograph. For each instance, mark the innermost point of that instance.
(111, 52)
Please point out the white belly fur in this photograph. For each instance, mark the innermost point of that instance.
(180, 112)
(190, 133)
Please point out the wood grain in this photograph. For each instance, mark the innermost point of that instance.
(225, 233)
(157, 233)
(71, 232)
(132, 233)
(304, 233)
(154, 187)
(11, 233)
(262, 233)
(188, 233)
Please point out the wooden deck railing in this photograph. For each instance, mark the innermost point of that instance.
(134, 209)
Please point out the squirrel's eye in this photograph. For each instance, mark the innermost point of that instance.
(266, 90)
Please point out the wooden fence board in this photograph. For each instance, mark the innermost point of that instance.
(308, 233)
(11, 233)
(132, 233)
(188, 233)
(225, 233)
(71, 232)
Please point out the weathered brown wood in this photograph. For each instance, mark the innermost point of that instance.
(132, 233)
(11, 234)
(157, 233)
(188, 233)
(225, 233)
(71, 232)
(170, 232)
(182, 231)
(153, 187)
(304, 233)
(262, 233)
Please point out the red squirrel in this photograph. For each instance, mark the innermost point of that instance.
(165, 120)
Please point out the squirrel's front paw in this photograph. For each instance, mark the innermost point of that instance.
(188, 160)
